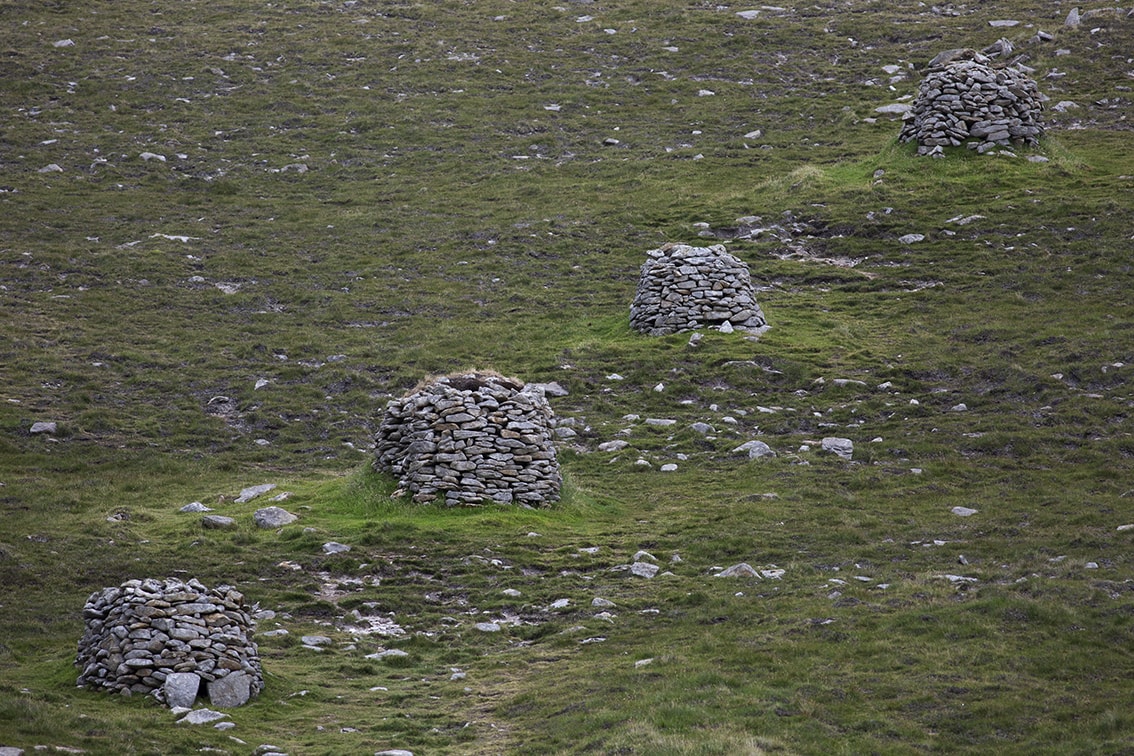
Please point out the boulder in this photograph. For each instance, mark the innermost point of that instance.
(273, 517)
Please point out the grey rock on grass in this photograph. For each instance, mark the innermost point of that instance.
(273, 517)
(217, 522)
(843, 447)
(250, 493)
(202, 716)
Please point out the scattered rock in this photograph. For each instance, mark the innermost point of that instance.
(739, 570)
(316, 640)
(963, 511)
(843, 447)
(335, 548)
(217, 522)
(195, 506)
(644, 569)
(548, 389)
(487, 627)
(911, 238)
(273, 517)
(754, 449)
(202, 716)
(47, 427)
(897, 108)
(613, 446)
(248, 494)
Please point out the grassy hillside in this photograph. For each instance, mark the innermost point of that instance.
(307, 207)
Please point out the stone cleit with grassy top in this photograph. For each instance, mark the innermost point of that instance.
(354, 195)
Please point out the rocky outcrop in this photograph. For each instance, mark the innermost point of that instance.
(471, 438)
(963, 100)
(145, 632)
(684, 288)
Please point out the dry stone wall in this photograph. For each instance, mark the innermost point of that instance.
(963, 100)
(685, 288)
(471, 438)
(143, 632)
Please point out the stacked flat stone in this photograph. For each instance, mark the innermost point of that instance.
(143, 631)
(471, 438)
(685, 288)
(965, 101)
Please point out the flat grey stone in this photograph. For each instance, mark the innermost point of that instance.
(613, 446)
(181, 689)
(273, 517)
(335, 548)
(739, 570)
(644, 569)
(487, 627)
(250, 493)
(234, 689)
(195, 506)
(316, 640)
(217, 522)
(897, 108)
(963, 511)
(202, 716)
(754, 449)
(843, 447)
(43, 427)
